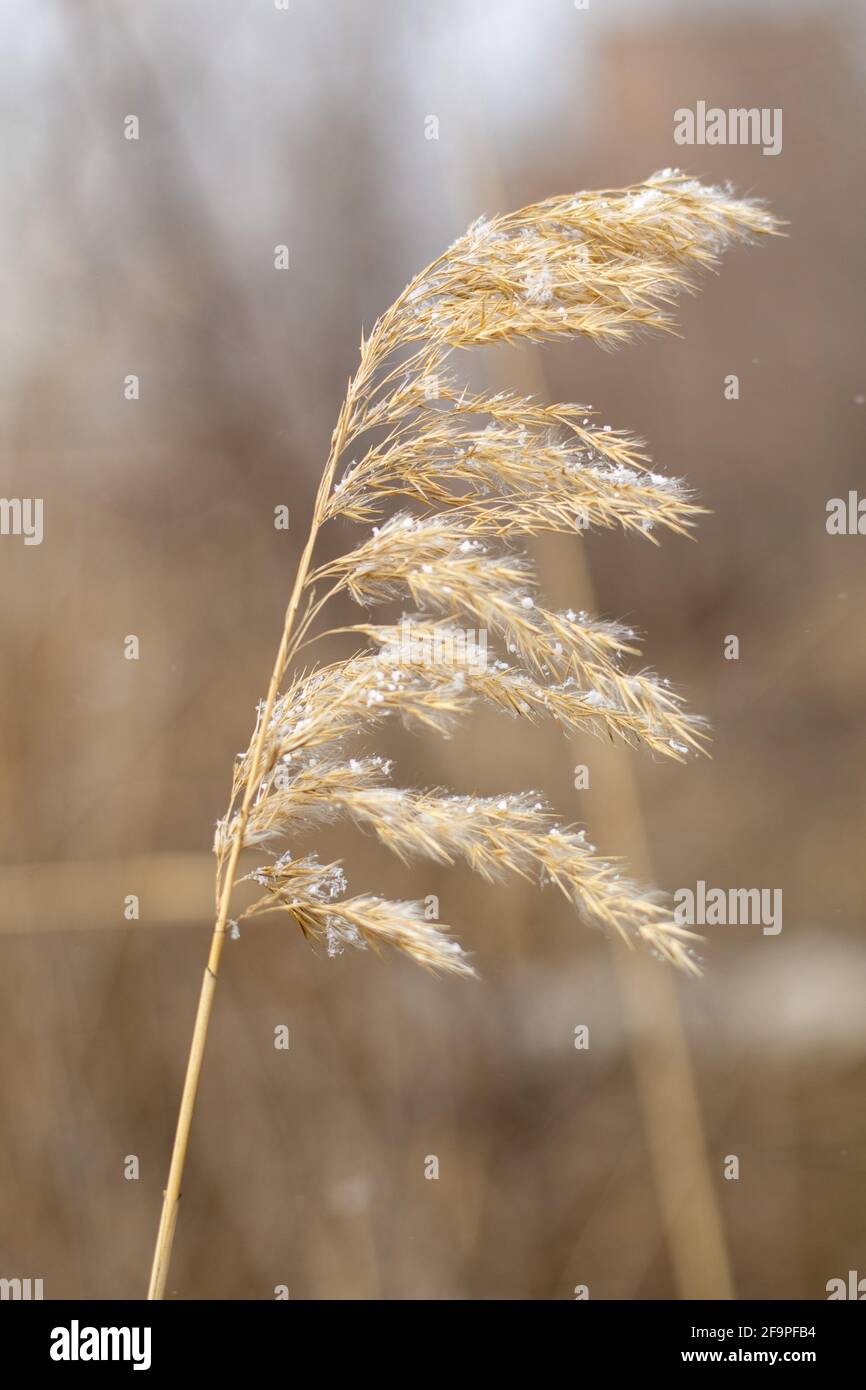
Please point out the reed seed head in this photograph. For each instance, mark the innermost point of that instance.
(449, 479)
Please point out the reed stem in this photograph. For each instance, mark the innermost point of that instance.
(171, 1197)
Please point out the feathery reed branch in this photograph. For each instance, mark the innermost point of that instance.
(477, 470)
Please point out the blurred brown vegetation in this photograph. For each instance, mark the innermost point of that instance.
(156, 258)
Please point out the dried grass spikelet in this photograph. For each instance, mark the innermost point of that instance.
(469, 472)
(475, 470)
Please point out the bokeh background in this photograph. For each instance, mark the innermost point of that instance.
(558, 1167)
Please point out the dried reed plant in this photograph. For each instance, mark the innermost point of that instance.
(473, 470)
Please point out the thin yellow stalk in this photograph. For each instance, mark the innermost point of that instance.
(171, 1198)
